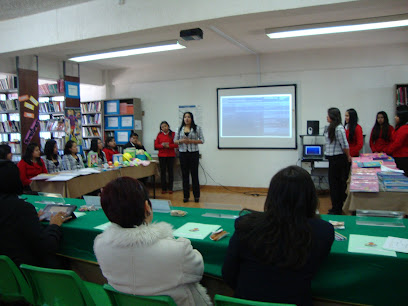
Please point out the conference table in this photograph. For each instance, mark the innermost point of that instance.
(344, 276)
(84, 184)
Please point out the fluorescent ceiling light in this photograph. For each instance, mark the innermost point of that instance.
(127, 51)
(339, 27)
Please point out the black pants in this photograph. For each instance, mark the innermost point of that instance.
(189, 164)
(166, 165)
(402, 164)
(338, 171)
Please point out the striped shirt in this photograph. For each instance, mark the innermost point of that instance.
(50, 165)
(70, 163)
(339, 143)
(194, 135)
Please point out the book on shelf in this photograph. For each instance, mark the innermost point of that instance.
(52, 107)
(10, 126)
(92, 119)
(10, 82)
(402, 94)
(9, 105)
(86, 144)
(46, 89)
(91, 107)
(52, 125)
(15, 147)
(91, 131)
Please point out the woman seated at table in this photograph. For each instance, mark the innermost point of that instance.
(31, 165)
(110, 148)
(51, 158)
(23, 238)
(97, 147)
(143, 258)
(5, 152)
(72, 160)
(273, 255)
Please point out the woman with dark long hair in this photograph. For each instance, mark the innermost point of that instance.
(338, 154)
(273, 255)
(72, 160)
(354, 132)
(110, 148)
(188, 137)
(51, 158)
(399, 145)
(31, 164)
(97, 147)
(164, 142)
(381, 133)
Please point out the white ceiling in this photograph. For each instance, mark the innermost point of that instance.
(247, 29)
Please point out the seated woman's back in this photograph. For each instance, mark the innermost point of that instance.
(273, 255)
(143, 258)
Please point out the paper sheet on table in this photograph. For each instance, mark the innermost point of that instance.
(86, 171)
(62, 178)
(102, 227)
(79, 214)
(42, 176)
(386, 169)
(361, 244)
(396, 244)
(195, 230)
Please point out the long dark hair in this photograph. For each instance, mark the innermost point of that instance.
(123, 202)
(170, 131)
(193, 125)
(402, 114)
(385, 127)
(68, 147)
(94, 147)
(281, 235)
(28, 155)
(352, 124)
(108, 140)
(5, 150)
(49, 149)
(335, 116)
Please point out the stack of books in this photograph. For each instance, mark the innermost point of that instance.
(46, 89)
(91, 107)
(393, 181)
(52, 107)
(10, 82)
(10, 127)
(52, 125)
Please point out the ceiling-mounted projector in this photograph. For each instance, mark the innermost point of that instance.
(192, 34)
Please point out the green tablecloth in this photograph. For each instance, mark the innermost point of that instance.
(344, 276)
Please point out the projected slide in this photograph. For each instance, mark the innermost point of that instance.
(259, 117)
(264, 116)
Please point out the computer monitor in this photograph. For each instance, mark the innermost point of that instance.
(313, 152)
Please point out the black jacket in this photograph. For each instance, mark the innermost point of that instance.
(22, 237)
(253, 280)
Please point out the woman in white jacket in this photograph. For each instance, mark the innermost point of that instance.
(140, 257)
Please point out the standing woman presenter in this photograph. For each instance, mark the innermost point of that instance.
(338, 154)
(188, 137)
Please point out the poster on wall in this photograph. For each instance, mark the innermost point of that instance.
(72, 90)
(194, 109)
(73, 125)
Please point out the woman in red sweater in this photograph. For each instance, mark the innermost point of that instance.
(381, 133)
(354, 132)
(31, 165)
(399, 145)
(110, 148)
(165, 144)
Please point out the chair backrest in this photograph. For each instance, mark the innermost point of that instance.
(123, 299)
(56, 287)
(13, 285)
(221, 300)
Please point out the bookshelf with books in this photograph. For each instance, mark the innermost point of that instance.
(91, 118)
(401, 94)
(52, 112)
(121, 117)
(10, 130)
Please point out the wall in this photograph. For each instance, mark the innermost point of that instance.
(362, 78)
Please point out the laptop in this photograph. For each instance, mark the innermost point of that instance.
(313, 152)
